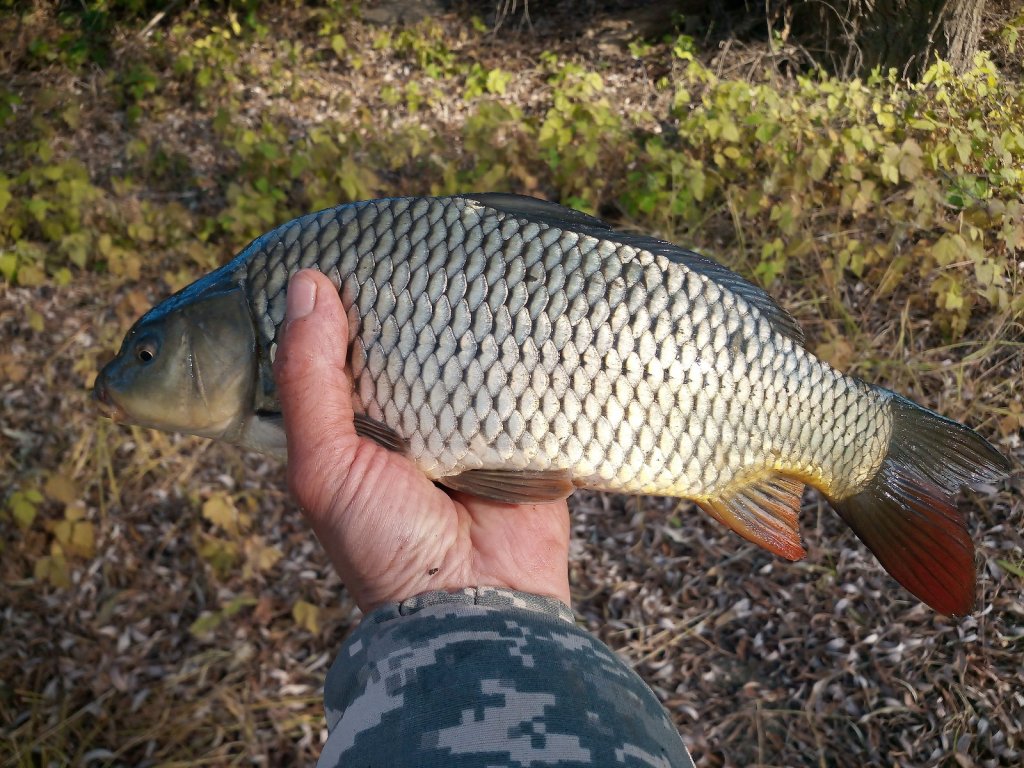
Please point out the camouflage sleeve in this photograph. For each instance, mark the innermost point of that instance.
(488, 677)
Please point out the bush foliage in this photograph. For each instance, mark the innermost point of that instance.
(877, 181)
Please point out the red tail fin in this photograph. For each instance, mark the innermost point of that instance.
(906, 514)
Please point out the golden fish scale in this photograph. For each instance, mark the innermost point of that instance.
(488, 341)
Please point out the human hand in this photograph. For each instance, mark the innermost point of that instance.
(389, 531)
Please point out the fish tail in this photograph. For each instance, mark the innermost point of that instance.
(906, 514)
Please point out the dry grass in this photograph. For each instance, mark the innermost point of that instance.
(824, 662)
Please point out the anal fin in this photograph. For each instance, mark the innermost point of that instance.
(513, 486)
(765, 512)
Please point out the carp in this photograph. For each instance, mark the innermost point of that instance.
(517, 349)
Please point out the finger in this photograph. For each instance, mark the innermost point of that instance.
(315, 389)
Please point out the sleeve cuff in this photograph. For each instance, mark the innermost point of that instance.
(485, 597)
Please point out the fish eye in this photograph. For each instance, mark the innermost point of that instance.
(146, 349)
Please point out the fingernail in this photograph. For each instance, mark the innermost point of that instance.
(301, 297)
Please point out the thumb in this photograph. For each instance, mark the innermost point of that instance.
(315, 389)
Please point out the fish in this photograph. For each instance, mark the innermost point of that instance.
(517, 349)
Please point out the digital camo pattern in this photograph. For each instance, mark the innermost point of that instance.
(489, 677)
(490, 340)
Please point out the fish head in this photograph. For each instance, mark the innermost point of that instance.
(188, 365)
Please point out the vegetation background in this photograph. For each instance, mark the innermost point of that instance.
(162, 602)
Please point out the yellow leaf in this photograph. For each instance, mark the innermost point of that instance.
(221, 511)
(258, 556)
(268, 557)
(61, 488)
(75, 511)
(31, 276)
(54, 569)
(838, 353)
(12, 369)
(138, 301)
(948, 248)
(910, 162)
(985, 271)
(307, 616)
(62, 531)
(83, 539)
(36, 321)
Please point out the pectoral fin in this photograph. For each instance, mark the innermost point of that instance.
(765, 512)
(513, 486)
(380, 433)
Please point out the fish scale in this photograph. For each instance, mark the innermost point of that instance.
(628, 304)
(516, 349)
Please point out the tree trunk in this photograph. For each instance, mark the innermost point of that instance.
(860, 35)
(961, 31)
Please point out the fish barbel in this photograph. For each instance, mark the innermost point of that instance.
(516, 349)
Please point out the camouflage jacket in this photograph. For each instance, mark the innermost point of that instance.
(488, 677)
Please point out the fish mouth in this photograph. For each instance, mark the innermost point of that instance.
(105, 401)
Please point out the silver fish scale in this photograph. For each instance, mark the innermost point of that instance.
(490, 341)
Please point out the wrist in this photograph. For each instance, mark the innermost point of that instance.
(483, 596)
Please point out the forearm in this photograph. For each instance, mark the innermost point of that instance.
(488, 677)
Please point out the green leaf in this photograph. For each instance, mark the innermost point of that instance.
(497, 80)
(206, 623)
(730, 132)
(1009, 567)
(820, 163)
(8, 265)
(38, 207)
(22, 510)
(237, 604)
(5, 193)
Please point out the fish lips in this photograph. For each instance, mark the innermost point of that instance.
(104, 399)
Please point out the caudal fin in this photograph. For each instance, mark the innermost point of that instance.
(906, 514)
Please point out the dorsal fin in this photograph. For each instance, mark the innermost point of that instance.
(780, 319)
(559, 216)
(535, 209)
